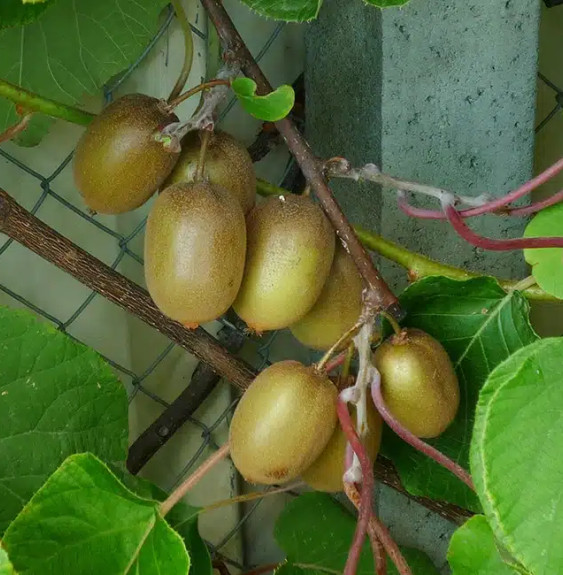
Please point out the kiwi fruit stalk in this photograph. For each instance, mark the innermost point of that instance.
(118, 164)
(290, 251)
(227, 163)
(195, 245)
(282, 423)
(338, 307)
(418, 382)
(326, 472)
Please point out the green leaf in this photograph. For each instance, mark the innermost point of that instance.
(287, 10)
(515, 455)
(16, 13)
(386, 3)
(270, 108)
(6, 568)
(71, 50)
(57, 397)
(83, 520)
(183, 518)
(547, 263)
(479, 325)
(315, 532)
(473, 550)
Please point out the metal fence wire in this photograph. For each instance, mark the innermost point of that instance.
(47, 184)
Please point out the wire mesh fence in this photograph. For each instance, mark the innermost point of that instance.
(125, 242)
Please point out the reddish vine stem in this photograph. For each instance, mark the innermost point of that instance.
(537, 206)
(496, 205)
(412, 439)
(365, 504)
(381, 297)
(194, 478)
(463, 230)
(377, 530)
(378, 551)
(336, 361)
(14, 130)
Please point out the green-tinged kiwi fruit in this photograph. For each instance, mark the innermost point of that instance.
(418, 382)
(282, 423)
(290, 252)
(118, 164)
(338, 307)
(195, 245)
(326, 472)
(227, 163)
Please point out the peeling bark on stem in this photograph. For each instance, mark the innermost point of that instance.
(365, 509)
(474, 239)
(497, 205)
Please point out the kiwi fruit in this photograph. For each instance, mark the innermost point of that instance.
(418, 382)
(282, 423)
(195, 244)
(338, 307)
(118, 164)
(326, 472)
(290, 252)
(227, 163)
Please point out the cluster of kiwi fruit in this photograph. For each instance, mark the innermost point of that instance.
(285, 425)
(209, 246)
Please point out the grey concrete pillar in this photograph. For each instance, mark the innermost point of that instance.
(438, 92)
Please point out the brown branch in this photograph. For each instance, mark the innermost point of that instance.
(23, 227)
(386, 473)
(380, 294)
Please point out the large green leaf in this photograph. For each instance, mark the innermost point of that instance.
(6, 568)
(71, 50)
(16, 13)
(83, 520)
(57, 397)
(479, 325)
(515, 455)
(182, 517)
(271, 107)
(315, 532)
(287, 10)
(547, 263)
(473, 550)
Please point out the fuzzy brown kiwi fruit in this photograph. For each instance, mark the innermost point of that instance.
(282, 423)
(325, 474)
(290, 252)
(195, 245)
(338, 307)
(118, 164)
(418, 382)
(227, 163)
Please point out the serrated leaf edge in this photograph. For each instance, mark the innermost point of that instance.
(476, 452)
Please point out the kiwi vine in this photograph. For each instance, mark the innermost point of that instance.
(212, 246)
